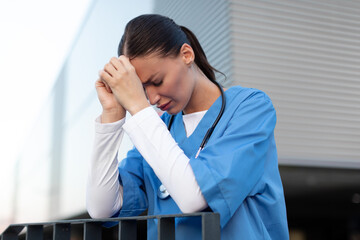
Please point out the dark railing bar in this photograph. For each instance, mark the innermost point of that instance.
(9, 236)
(62, 231)
(210, 226)
(12, 232)
(166, 228)
(35, 232)
(92, 231)
(127, 230)
(129, 227)
(81, 221)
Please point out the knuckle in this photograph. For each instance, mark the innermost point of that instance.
(107, 65)
(114, 60)
(127, 72)
(131, 68)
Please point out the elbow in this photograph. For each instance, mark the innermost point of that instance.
(100, 205)
(94, 214)
(100, 210)
(193, 205)
(97, 212)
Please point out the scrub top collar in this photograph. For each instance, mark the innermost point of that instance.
(191, 144)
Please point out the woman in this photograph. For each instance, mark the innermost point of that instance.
(235, 174)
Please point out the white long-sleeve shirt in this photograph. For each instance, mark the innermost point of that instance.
(151, 137)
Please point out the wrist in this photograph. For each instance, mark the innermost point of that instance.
(112, 115)
(137, 108)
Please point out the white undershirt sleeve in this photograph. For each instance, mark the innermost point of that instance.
(155, 143)
(104, 192)
(150, 136)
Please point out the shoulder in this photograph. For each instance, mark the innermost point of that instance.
(237, 96)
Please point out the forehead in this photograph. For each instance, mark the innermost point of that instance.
(147, 66)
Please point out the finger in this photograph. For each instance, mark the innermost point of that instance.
(107, 87)
(110, 69)
(116, 63)
(105, 76)
(100, 84)
(126, 62)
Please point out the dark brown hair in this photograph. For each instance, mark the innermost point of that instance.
(153, 33)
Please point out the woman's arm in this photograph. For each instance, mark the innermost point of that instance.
(104, 192)
(155, 143)
(158, 147)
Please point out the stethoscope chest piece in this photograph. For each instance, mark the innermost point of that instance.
(162, 192)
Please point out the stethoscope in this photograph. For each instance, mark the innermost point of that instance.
(162, 192)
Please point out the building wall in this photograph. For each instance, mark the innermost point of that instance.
(303, 54)
(210, 22)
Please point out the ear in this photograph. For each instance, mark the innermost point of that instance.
(187, 54)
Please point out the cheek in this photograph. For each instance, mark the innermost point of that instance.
(175, 86)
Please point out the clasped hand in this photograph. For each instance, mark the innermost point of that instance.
(122, 85)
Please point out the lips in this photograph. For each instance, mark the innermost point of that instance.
(165, 106)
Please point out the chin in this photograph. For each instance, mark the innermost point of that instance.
(173, 111)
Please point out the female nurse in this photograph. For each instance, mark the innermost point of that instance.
(235, 173)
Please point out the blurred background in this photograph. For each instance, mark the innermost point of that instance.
(304, 54)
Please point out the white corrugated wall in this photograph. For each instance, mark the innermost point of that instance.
(304, 54)
(209, 20)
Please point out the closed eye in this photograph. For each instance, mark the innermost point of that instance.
(158, 83)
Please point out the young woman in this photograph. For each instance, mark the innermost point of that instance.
(178, 165)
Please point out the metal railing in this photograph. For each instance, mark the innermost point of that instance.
(127, 227)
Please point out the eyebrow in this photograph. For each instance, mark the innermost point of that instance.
(149, 79)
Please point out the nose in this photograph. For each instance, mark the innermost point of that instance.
(152, 94)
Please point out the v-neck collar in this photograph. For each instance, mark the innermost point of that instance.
(191, 144)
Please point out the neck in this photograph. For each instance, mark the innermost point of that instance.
(204, 95)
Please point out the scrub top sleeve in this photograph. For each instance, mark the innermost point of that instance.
(131, 178)
(232, 162)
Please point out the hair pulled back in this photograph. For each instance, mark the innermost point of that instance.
(153, 33)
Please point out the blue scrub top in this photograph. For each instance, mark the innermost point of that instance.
(237, 172)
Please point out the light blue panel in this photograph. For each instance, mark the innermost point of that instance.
(96, 44)
(32, 192)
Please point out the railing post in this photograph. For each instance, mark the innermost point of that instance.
(34, 232)
(127, 230)
(12, 233)
(141, 229)
(210, 226)
(92, 231)
(62, 231)
(166, 228)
